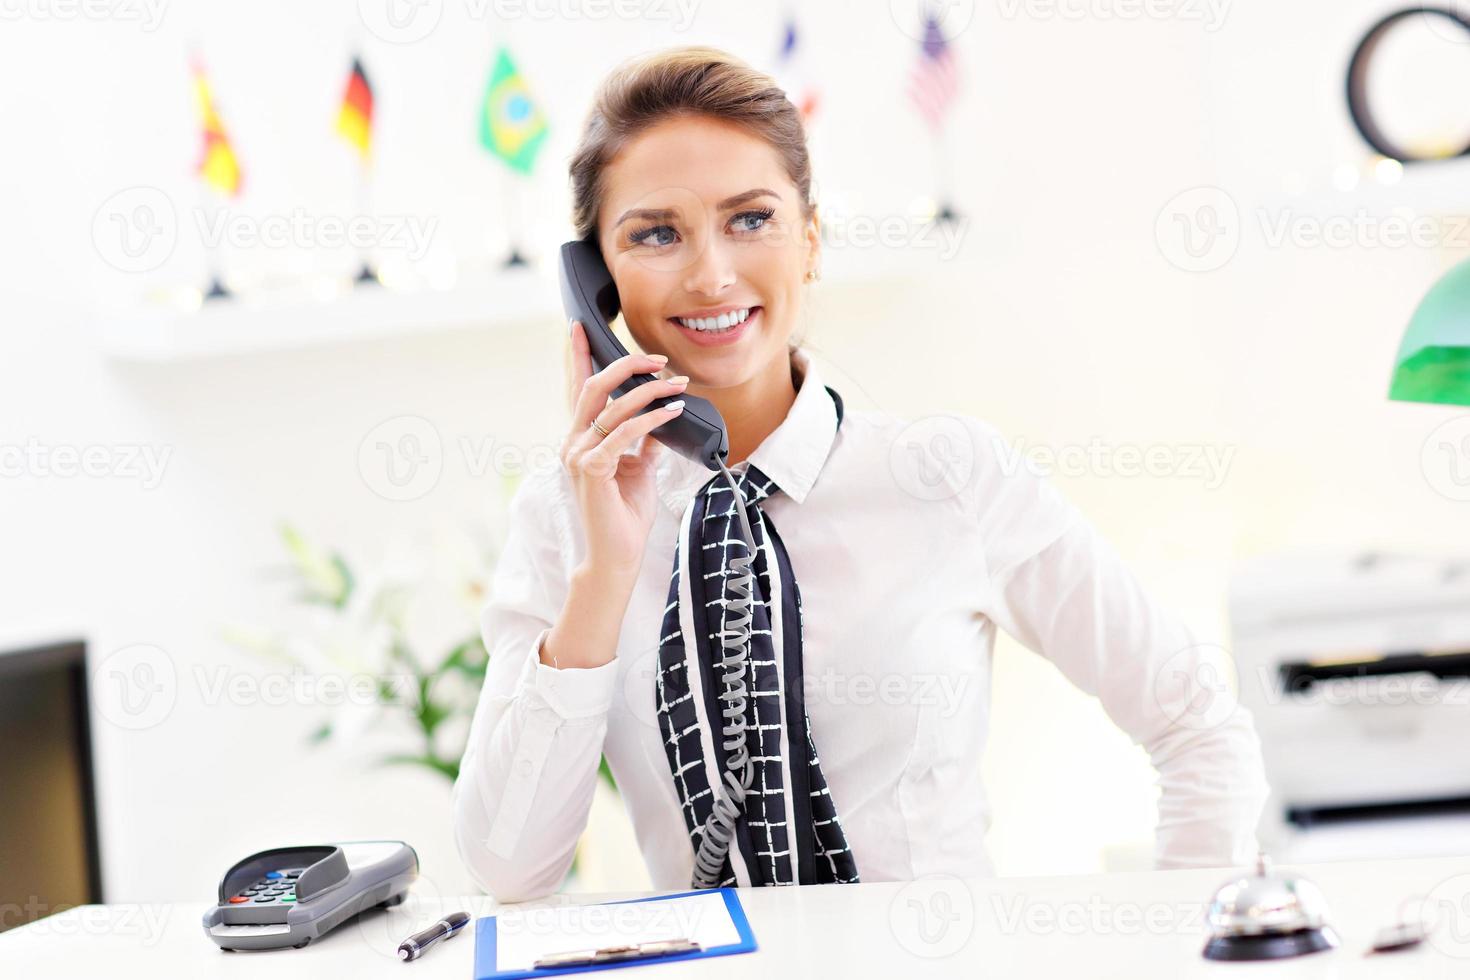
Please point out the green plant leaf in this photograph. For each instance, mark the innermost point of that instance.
(468, 658)
(430, 715)
(325, 577)
(348, 582)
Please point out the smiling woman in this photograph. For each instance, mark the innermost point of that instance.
(629, 619)
(693, 178)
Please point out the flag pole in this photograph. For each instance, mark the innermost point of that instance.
(513, 224)
(366, 273)
(944, 209)
(205, 202)
(209, 208)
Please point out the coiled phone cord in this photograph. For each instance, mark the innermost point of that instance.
(719, 829)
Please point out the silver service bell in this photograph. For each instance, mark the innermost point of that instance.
(1265, 916)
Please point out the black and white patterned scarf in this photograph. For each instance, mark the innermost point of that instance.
(788, 832)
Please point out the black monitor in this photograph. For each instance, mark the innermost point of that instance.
(49, 856)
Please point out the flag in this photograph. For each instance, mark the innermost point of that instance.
(355, 119)
(512, 126)
(217, 163)
(934, 81)
(802, 95)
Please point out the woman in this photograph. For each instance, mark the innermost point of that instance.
(882, 570)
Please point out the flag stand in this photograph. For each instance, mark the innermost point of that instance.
(944, 211)
(217, 166)
(512, 128)
(216, 289)
(365, 273)
(513, 222)
(933, 84)
(354, 123)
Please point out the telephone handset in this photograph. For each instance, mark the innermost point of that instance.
(591, 297)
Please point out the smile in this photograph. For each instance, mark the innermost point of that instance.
(725, 327)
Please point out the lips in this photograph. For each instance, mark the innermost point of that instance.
(719, 339)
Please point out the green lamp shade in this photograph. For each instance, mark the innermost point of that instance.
(1433, 363)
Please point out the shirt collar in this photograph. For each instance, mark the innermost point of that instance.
(792, 455)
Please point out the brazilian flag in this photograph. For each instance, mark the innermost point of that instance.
(512, 126)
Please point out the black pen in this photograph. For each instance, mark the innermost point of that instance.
(413, 947)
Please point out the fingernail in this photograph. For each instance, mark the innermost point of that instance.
(661, 358)
(675, 406)
(571, 327)
(682, 379)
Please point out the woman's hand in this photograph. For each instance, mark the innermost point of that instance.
(615, 492)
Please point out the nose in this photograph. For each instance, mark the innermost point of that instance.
(712, 272)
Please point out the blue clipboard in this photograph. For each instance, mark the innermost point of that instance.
(485, 959)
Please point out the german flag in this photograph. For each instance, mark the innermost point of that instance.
(217, 163)
(355, 120)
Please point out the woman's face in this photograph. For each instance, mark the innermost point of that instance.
(698, 219)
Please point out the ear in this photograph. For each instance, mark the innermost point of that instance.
(813, 233)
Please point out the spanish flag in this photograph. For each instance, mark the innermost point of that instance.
(217, 163)
(355, 120)
(512, 126)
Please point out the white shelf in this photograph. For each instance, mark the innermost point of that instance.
(242, 325)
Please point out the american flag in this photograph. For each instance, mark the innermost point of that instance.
(935, 79)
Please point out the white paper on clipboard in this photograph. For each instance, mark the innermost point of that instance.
(524, 935)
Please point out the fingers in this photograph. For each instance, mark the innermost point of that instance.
(626, 406)
(620, 438)
(595, 389)
(579, 364)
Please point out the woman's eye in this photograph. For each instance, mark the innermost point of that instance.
(762, 216)
(661, 235)
(641, 237)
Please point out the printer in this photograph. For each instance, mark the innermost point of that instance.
(1356, 669)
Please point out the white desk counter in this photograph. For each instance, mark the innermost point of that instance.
(1130, 925)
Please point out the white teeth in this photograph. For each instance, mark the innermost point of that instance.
(722, 322)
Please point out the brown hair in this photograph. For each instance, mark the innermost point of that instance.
(683, 81)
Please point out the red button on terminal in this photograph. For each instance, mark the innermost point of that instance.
(238, 899)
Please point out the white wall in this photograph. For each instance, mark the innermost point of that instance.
(1061, 320)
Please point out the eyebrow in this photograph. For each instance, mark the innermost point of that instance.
(664, 214)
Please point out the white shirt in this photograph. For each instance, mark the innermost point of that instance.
(911, 543)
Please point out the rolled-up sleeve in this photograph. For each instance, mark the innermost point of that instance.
(530, 766)
(1065, 593)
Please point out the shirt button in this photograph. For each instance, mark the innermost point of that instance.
(526, 766)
